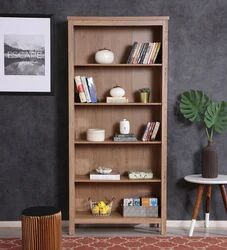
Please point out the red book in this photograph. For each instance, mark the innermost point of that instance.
(80, 89)
(144, 138)
(150, 131)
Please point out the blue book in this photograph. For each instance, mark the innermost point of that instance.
(153, 202)
(92, 89)
(136, 202)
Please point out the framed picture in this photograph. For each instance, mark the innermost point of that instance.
(25, 54)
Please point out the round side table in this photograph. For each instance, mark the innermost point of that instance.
(205, 183)
(41, 228)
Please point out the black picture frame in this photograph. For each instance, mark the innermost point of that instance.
(48, 58)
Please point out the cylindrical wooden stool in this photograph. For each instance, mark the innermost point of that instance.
(41, 228)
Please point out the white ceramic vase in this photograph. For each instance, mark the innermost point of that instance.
(104, 56)
(117, 92)
(124, 127)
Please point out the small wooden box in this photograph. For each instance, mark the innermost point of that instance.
(140, 211)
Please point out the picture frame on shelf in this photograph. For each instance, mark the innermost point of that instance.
(25, 54)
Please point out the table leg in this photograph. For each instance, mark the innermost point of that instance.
(208, 198)
(195, 213)
(224, 195)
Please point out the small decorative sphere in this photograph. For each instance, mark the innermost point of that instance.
(104, 56)
(117, 92)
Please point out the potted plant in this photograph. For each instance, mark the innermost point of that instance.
(144, 95)
(196, 106)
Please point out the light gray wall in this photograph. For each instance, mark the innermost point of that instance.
(33, 129)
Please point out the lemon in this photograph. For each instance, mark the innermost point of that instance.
(95, 210)
(107, 209)
(101, 204)
(103, 211)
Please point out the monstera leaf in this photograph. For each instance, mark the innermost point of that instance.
(216, 116)
(193, 105)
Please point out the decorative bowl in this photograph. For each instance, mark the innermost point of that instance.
(103, 170)
(94, 134)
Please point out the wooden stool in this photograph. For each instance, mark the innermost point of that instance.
(205, 184)
(41, 228)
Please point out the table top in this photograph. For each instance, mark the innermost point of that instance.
(197, 178)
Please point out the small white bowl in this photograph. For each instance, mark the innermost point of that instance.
(94, 134)
(103, 170)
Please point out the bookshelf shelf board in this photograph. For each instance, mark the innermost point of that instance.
(119, 104)
(82, 217)
(117, 65)
(124, 179)
(116, 143)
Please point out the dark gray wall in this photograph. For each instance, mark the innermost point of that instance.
(33, 129)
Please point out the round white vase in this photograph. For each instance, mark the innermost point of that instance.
(104, 56)
(117, 92)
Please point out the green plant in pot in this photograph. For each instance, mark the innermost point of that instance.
(196, 106)
(144, 95)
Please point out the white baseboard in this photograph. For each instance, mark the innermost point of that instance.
(10, 223)
(170, 223)
(199, 223)
(65, 223)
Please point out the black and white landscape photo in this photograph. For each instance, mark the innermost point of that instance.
(24, 54)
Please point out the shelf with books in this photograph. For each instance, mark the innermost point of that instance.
(130, 79)
(123, 37)
(85, 217)
(78, 142)
(124, 179)
(118, 104)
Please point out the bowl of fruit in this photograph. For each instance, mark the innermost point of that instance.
(101, 208)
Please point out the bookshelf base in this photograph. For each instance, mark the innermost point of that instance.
(114, 218)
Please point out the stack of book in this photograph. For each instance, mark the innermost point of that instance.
(140, 202)
(144, 53)
(151, 131)
(114, 175)
(116, 99)
(126, 138)
(86, 89)
(140, 207)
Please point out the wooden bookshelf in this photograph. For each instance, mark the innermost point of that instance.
(117, 34)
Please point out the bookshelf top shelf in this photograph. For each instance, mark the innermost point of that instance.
(117, 18)
(116, 65)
